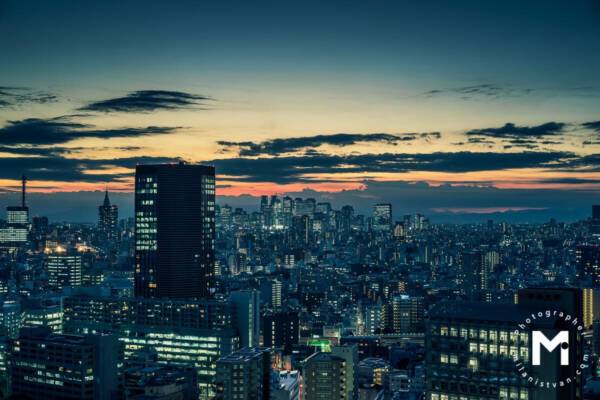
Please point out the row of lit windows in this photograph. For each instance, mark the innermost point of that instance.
(492, 335)
(505, 393)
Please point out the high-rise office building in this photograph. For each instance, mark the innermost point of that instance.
(281, 329)
(46, 365)
(595, 222)
(489, 261)
(108, 218)
(174, 230)
(382, 217)
(372, 323)
(471, 275)
(588, 263)
(64, 269)
(350, 355)
(11, 317)
(247, 312)
(190, 333)
(325, 377)
(15, 234)
(591, 306)
(471, 348)
(43, 312)
(407, 313)
(244, 375)
(276, 293)
(39, 232)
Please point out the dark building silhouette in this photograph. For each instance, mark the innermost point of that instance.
(244, 375)
(108, 218)
(46, 365)
(595, 223)
(325, 377)
(174, 230)
(588, 263)
(281, 329)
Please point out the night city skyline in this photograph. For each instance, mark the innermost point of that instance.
(316, 200)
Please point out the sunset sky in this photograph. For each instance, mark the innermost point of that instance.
(354, 99)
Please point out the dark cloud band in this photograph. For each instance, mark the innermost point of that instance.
(36, 131)
(276, 147)
(148, 101)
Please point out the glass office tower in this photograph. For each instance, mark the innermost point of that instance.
(174, 228)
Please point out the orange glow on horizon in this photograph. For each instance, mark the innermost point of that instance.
(337, 182)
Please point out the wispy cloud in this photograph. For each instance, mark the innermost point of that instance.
(289, 145)
(483, 90)
(593, 125)
(143, 101)
(12, 96)
(511, 135)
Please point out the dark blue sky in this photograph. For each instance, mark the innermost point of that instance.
(549, 44)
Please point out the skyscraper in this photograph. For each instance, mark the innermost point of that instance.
(588, 263)
(108, 217)
(595, 222)
(244, 375)
(174, 228)
(46, 365)
(325, 377)
(64, 269)
(471, 348)
(281, 329)
(15, 234)
(382, 217)
(247, 312)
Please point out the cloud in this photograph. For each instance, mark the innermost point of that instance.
(11, 96)
(483, 90)
(297, 168)
(36, 131)
(287, 145)
(62, 169)
(511, 135)
(57, 167)
(593, 125)
(147, 101)
(512, 131)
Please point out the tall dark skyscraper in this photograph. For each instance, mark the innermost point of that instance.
(108, 217)
(174, 228)
(595, 223)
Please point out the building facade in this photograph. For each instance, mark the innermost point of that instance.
(174, 230)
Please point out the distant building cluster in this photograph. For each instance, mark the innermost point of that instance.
(294, 299)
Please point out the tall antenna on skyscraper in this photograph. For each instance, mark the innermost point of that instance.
(23, 190)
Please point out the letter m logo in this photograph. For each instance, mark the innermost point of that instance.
(539, 339)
